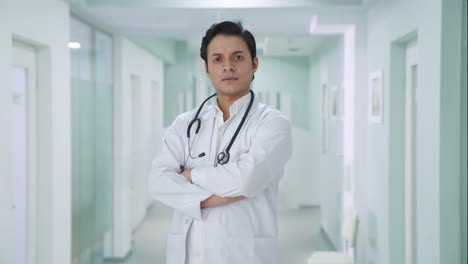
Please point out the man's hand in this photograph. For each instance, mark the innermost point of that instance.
(215, 200)
(187, 174)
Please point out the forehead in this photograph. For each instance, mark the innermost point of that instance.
(227, 44)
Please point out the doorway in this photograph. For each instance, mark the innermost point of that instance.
(411, 77)
(23, 151)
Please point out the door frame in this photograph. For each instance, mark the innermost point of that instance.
(396, 184)
(410, 151)
(25, 56)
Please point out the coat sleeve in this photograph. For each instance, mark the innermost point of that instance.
(270, 149)
(166, 185)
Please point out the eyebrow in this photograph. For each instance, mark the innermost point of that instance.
(235, 52)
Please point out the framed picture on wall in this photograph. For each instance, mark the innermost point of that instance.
(375, 100)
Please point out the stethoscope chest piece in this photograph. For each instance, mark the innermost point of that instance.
(223, 158)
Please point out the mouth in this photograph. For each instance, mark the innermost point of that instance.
(227, 79)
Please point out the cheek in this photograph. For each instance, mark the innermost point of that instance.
(216, 70)
(248, 72)
(214, 77)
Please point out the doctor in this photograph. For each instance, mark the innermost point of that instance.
(220, 164)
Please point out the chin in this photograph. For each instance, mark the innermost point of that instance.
(230, 90)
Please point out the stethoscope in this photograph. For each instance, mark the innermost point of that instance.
(223, 156)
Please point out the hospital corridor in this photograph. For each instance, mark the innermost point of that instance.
(101, 102)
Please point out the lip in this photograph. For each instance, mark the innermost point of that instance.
(229, 79)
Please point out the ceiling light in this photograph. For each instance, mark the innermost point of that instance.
(74, 45)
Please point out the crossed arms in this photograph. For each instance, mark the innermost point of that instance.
(208, 186)
(213, 200)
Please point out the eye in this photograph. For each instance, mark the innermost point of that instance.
(238, 57)
(217, 59)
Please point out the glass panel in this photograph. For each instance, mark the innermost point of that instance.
(103, 134)
(92, 137)
(81, 58)
(81, 138)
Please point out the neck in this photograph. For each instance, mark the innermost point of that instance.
(225, 102)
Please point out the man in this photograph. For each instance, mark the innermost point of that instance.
(220, 166)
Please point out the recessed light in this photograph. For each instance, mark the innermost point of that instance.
(74, 45)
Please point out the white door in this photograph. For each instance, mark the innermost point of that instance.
(410, 150)
(23, 89)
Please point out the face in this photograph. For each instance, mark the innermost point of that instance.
(230, 66)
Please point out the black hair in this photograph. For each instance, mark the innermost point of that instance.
(231, 29)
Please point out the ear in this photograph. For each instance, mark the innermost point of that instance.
(255, 64)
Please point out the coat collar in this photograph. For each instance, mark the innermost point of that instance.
(237, 107)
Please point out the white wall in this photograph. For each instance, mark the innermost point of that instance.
(327, 68)
(436, 235)
(132, 60)
(287, 75)
(449, 91)
(300, 184)
(46, 27)
(463, 135)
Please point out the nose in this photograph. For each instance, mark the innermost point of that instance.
(229, 66)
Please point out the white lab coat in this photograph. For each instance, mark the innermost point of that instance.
(244, 232)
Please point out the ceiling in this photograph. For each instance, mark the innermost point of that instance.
(281, 27)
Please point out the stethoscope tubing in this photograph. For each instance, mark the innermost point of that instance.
(224, 156)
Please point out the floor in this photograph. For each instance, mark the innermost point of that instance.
(299, 232)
